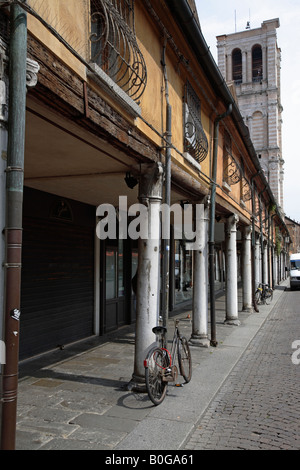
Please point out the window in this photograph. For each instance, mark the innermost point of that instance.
(114, 46)
(231, 170)
(246, 193)
(195, 140)
(257, 68)
(183, 272)
(295, 264)
(114, 278)
(237, 74)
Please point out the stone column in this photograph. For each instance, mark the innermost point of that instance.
(229, 68)
(147, 304)
(246, 267)
(265, 261)
(199, 335)
(244, 66)
(231, 271)
(275, 267)
(264, 62)
(249, 66)
(257, 261)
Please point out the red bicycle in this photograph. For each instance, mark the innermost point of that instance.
(160, 363)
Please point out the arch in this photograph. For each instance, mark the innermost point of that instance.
(257, 63)
(237, 70)
(258, 130)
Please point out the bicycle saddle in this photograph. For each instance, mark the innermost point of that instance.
(159, 330)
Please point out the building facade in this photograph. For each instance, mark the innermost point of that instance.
(251, 60)
(294, 231)
(126, 113)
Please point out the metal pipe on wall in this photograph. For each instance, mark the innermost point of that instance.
(167, 199)
(211, 241)
(14, 209)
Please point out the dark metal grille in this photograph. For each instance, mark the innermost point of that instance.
(114, 46)
(195, 140)
(246, 190)
(231, 171)
(4, 26)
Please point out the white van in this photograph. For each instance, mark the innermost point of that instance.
(295, 271)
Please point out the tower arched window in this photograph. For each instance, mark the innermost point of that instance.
(237, 73)
(257, 67)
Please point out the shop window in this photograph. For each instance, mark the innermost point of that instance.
(114, 46)
(237, 74)
(183, 272)
(195, 140)
(257, 68)
(114, 256)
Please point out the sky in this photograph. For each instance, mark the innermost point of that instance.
(219, 17)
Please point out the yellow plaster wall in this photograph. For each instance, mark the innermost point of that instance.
(153, 101)
(71, 23)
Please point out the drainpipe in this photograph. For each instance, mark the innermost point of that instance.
(272, 249)
(211, 241)
(263, 273)
(253, 242)
(13, 230)
(167, 200)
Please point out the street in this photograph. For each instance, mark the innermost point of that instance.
(258, 406)
(244, 394)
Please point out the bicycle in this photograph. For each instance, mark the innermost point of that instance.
(264, 294)
(160, 367)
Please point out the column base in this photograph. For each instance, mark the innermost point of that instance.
(199, 341)
(248, 309)
(137, 384)
(232, 321)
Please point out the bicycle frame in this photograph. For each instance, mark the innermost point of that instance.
(160, 363)
(174, 346)
(171, 372)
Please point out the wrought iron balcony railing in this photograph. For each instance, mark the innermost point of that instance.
(114, 46)
(195, 140)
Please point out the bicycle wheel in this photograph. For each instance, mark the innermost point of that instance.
(269, 296)
(184, 359)
(258, 297)
(155, 364)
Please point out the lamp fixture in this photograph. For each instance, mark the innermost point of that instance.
(130, 180)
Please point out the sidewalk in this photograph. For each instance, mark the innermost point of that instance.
(76, 398)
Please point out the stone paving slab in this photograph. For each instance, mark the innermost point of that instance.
(77, 398)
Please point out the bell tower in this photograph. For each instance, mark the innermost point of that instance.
(250, 61)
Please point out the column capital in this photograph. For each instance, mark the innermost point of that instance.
(205, 201)
(247, 231)
(233, 219)
(150, 176)
(231, 222)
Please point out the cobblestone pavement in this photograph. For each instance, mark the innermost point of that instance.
(258, 406)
